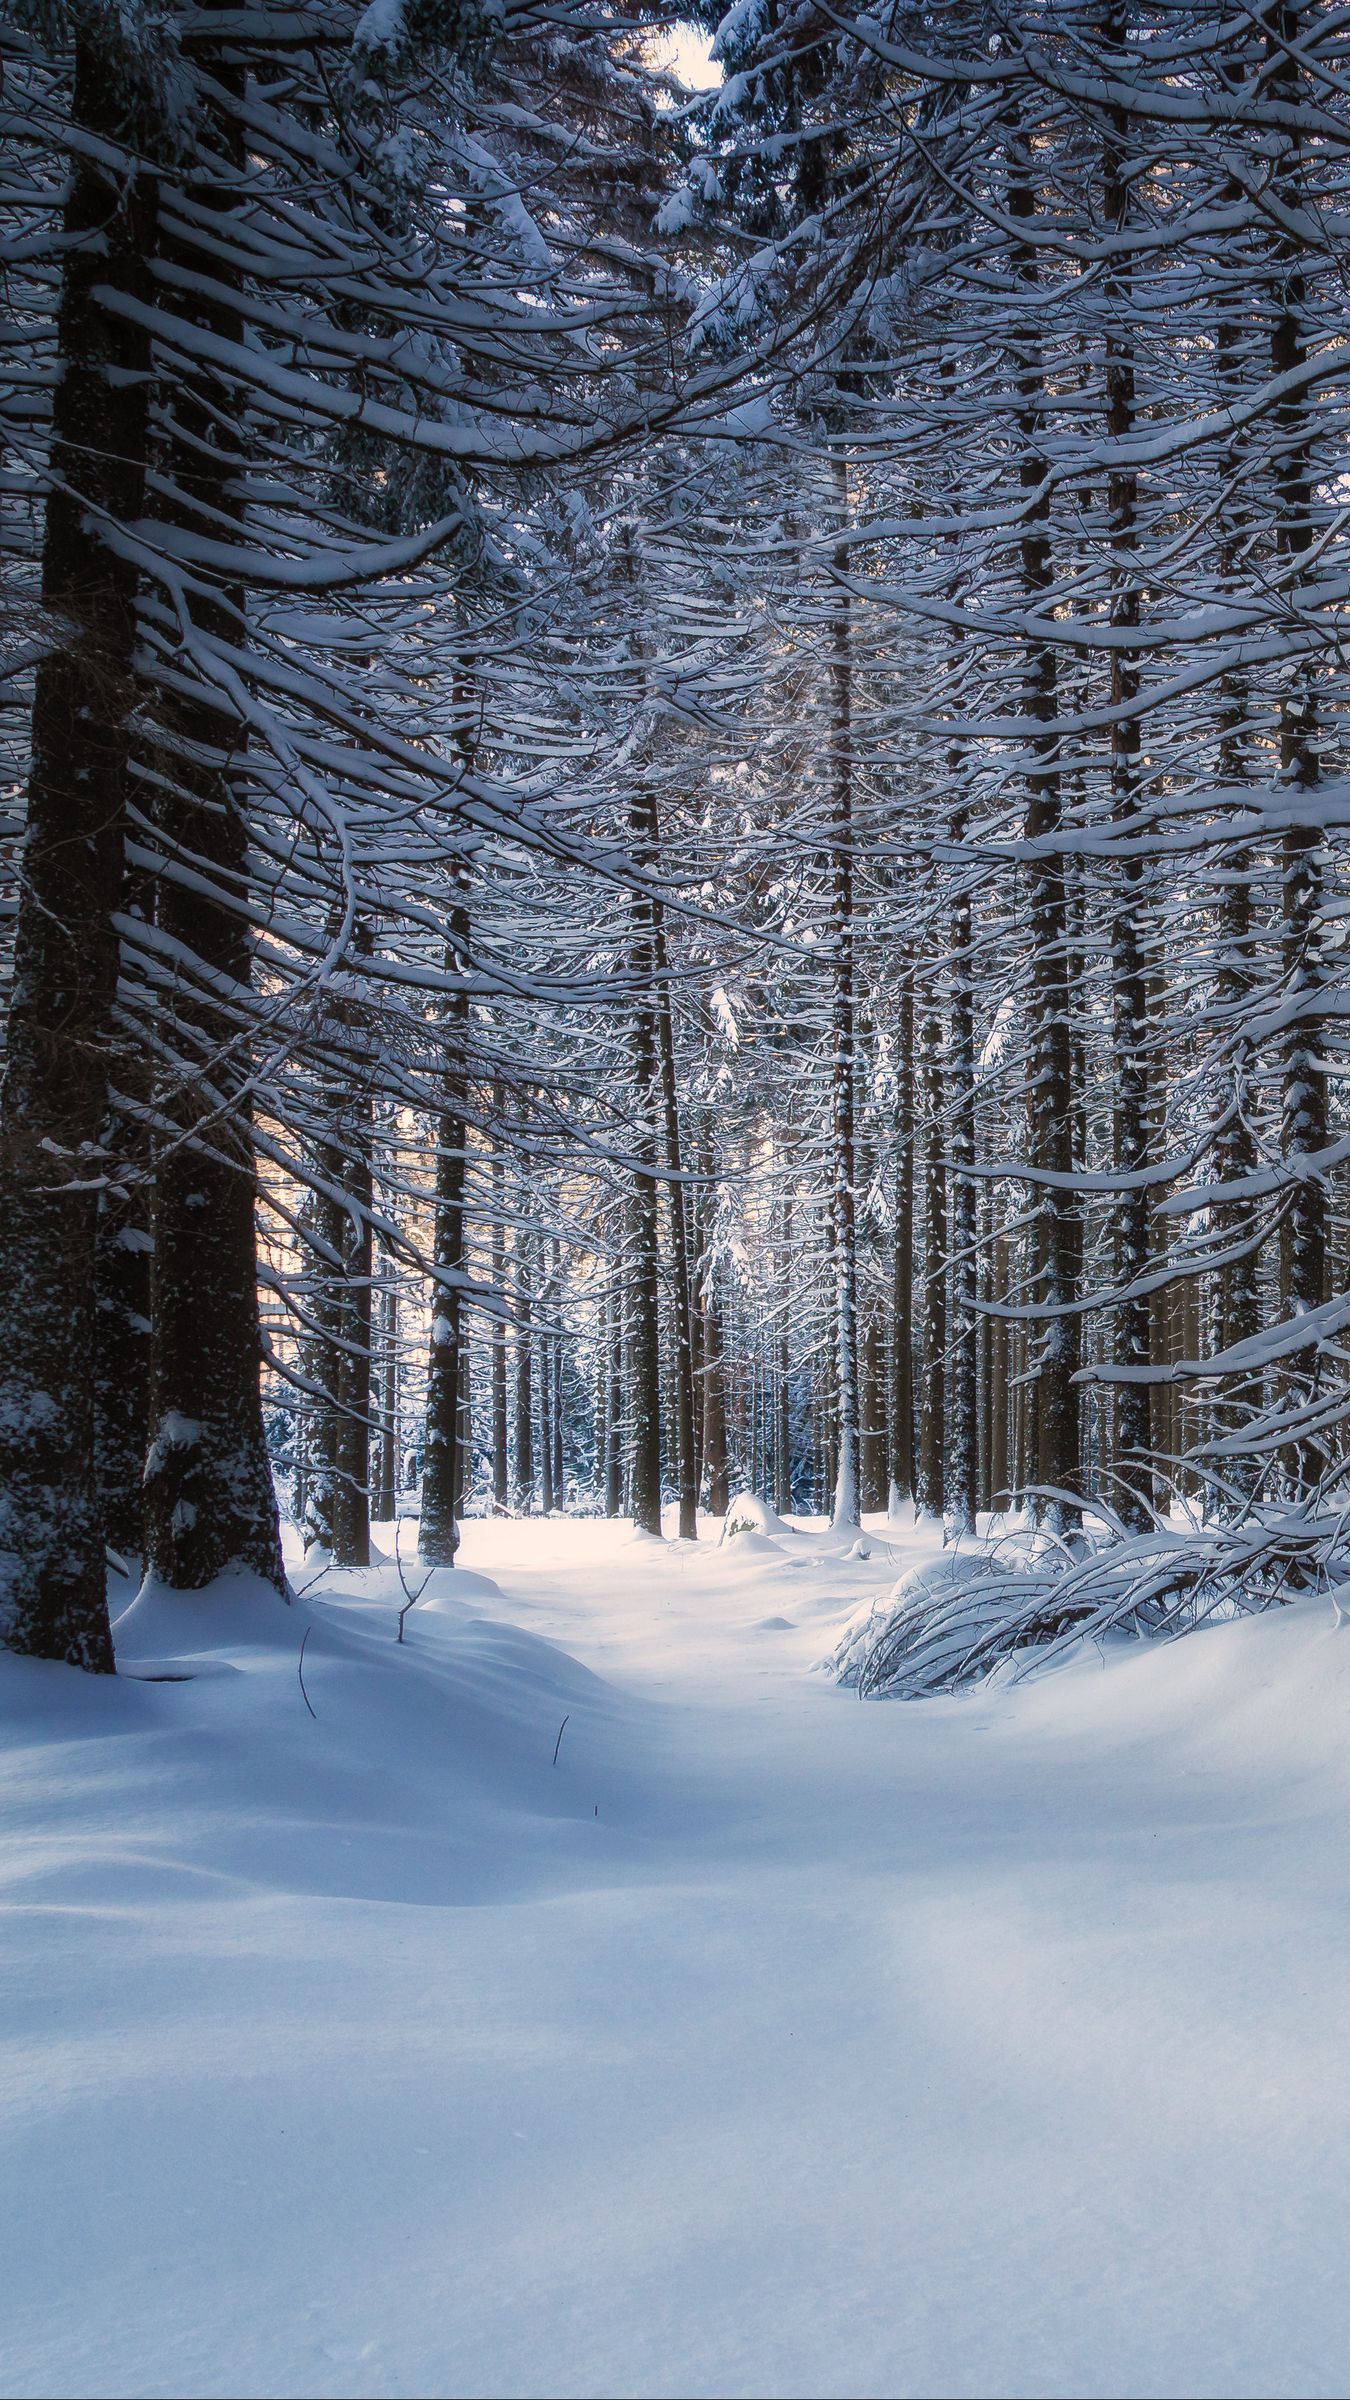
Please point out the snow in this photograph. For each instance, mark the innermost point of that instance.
(769, 2043)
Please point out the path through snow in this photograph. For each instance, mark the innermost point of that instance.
(770, 2043)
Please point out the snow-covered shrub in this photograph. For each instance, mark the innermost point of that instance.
(920, 1636)
(749, 1514)
(955, 1619)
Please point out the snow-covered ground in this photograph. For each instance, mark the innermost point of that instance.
(768, 2043)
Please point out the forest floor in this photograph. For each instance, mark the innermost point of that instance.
(768, 2042)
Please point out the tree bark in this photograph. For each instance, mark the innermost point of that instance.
(1050, 1099)
(1129, 976)
(933, 1414)
(902, 1261)
(715, 1459)
(438, 1539)
(524, 1483)
(210, 1500)
(843, 1021)
(122, 1361)
(53, 1103)
(501, 1465)
(1304, 1129)
(958, 1483)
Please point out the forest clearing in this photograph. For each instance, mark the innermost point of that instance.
(674, 1197)
(767, 2043)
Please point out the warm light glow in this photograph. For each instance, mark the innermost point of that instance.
(686, 51)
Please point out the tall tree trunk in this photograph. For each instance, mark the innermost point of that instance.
(1304, 1129)
(351, 1493)
(933, 1409)
(321, 1231)
(715, 1460)
(54, 1098)
(958, 1481)
(644, 1319)
(902, 1261)
(501, 1465)
(614, 1402)
(210, 1501)
(559, 1445)
(1050, 1099)
(525, 1488)
(782, 1494)
(384, 1504)
(872, 1384)
(464, 1462)
(682, 1308)
(1129, 977)
(122, 1358)
(843, 1020)
(438, 1538)
(544, 1381)
(352, 1165)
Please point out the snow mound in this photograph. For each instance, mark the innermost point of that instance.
(450, 1590)
(745, 1544)
(749, 1514)
(239, 1610)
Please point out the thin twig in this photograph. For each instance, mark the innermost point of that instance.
(558, 1744)
(300, 1671)
(413, 1596)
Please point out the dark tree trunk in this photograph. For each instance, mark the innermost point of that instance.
(933, 1415)
(613, 1468)
(681, 1284)
(715, 1460)
(1050, 1099)
(958, 1485)
(384, 1504)
(644, 1276)
(872, 1383)
(1000, 1402)
(1304, 1130)
(438, 1539)
(1237, 1299)
(559, 1445)
(352, 1156)
(501, 1468)
(644, 1347)
(351, 1495)
(524, 1487)
(902, 1260)
(122, 1362)
(1129, 976)
(464, 1470)
(544, 1380)
(843, 1019)
(782, 1494)
(210, 1501)
(53, 1105)
(322, 1237)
